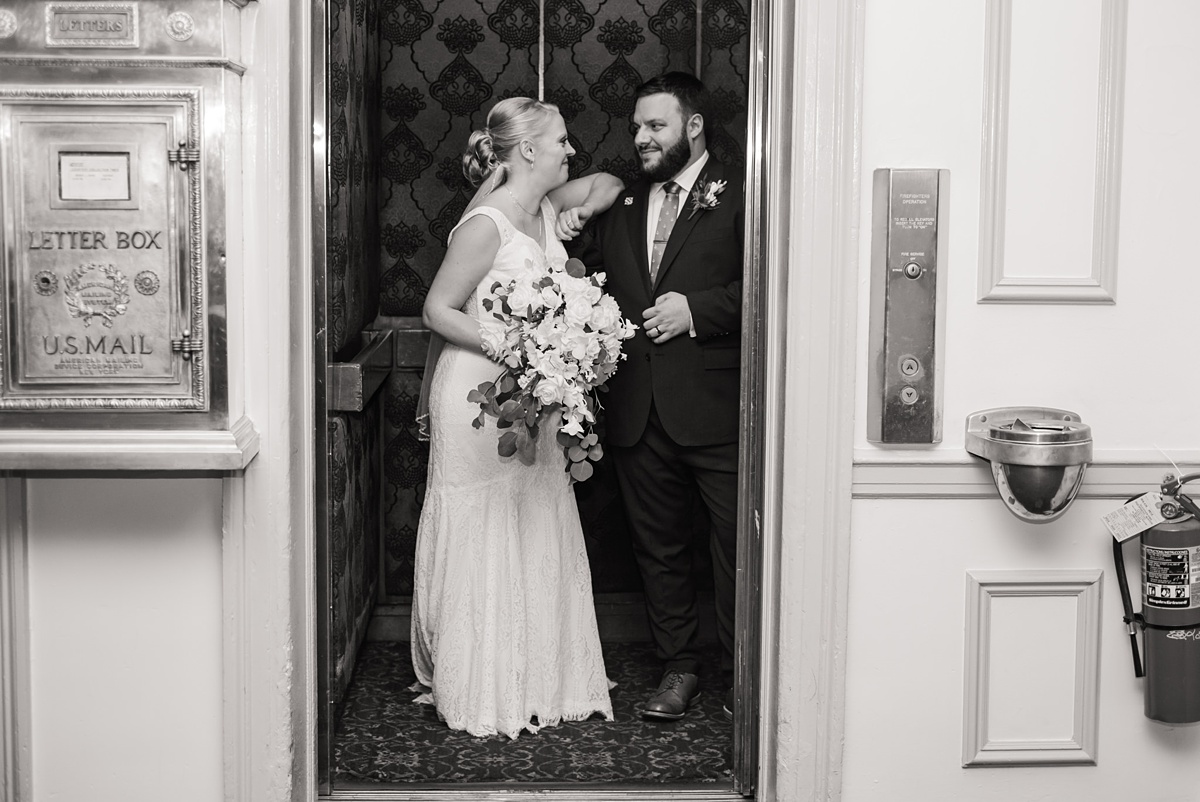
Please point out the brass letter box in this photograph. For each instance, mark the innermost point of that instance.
(114, 324)
(104, 280)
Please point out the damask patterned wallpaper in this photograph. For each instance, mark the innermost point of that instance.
(352, 287)
(352, 241)
(444, 63)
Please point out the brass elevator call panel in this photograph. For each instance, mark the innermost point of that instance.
(908, 257)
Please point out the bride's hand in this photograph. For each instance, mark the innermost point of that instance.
(571, 221)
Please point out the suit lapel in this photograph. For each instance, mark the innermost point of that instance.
(686, 222)
(636, 220)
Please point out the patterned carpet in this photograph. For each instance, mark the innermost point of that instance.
(384, 737)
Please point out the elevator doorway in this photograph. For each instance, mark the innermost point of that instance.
(402, 84)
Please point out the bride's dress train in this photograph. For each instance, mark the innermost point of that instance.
(503, 621)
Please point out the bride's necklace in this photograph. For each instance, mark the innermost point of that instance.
(519, 206)
(532, 215)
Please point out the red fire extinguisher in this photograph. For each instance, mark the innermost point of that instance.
(1170, 616)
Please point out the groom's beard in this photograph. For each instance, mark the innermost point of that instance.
(670, 162)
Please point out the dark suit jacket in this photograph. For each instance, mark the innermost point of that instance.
(694, 382)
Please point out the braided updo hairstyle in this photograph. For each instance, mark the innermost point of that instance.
(489, 150)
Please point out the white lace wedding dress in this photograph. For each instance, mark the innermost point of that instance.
(503, 622)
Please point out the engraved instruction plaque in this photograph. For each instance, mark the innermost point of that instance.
(102, 263)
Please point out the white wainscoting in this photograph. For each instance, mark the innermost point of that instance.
(1032, 674)
(1076, 261)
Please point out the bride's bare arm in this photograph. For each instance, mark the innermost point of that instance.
(576, 202)
(468, 258)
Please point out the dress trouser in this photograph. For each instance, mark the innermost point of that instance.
(657, 477)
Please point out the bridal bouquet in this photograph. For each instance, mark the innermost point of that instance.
(558, 336)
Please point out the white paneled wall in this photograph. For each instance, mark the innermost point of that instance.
(909, 660)
(925, 102)
(125, 638)
(1072, 203)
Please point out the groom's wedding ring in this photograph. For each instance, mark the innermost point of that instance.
(655, 331)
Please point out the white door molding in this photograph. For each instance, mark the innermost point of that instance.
(16, 760)
(268, 716)
(810, 220)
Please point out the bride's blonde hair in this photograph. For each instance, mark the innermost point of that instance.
(490, 149)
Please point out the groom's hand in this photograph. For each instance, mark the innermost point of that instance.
(571, 221)
(668, 318)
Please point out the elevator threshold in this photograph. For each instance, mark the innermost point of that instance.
(528, 792)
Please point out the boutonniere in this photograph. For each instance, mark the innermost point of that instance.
(704, 196)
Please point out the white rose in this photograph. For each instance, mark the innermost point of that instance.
(550, 390)
(578, 311)
(494, 335)
(606, 314)
(523, 299)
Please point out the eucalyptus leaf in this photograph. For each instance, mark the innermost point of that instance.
(581, 471)
(510, 410)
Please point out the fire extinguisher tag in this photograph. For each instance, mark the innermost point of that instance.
(1135, 517)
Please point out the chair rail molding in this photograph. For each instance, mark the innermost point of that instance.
(1112, 474)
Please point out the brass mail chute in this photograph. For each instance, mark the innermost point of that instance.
(1038, 457)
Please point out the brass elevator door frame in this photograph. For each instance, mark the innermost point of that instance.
(746, 746)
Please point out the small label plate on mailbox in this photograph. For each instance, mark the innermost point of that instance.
(92, 25)
(102, 267)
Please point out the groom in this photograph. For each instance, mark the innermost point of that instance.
(671, 247)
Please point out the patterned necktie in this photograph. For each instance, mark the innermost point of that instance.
(666, 221)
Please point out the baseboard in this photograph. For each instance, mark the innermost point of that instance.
(621, 618)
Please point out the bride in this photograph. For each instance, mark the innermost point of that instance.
(504, 634)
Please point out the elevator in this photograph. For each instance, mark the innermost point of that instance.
(401, 85)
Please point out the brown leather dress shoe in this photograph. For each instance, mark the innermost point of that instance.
(675, 694)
